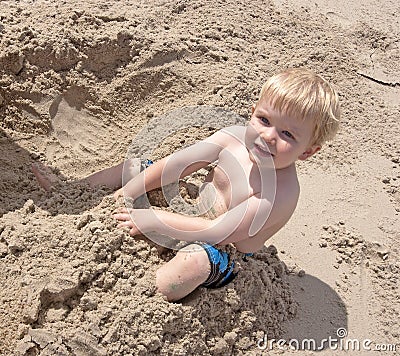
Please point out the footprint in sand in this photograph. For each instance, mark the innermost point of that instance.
(339, 19)
(74, 126)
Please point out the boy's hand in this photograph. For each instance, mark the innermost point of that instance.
(125, 216)
(118, 194)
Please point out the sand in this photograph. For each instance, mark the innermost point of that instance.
(81, 80)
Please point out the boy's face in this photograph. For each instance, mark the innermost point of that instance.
(277, 136)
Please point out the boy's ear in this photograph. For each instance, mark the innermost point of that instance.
(310, 151)
(253, 107)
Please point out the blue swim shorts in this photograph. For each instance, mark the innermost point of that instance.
(145, 163)
(222, 266)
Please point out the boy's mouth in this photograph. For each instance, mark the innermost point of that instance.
(263, 151)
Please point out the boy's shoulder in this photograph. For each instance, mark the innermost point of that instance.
(228, 136)
(235, 132)
(287, 190)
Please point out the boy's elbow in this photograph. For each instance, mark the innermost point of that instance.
(228, 234)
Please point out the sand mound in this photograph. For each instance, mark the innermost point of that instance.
(87, 288)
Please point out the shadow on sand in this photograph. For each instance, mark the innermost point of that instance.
(320, 310)
(18, 184)
(321, 315)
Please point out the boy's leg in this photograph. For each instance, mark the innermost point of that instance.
(110, 177)
(184, 273)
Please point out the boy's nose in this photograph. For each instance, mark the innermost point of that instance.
(269, 135)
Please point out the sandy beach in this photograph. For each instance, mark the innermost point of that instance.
(84, 83)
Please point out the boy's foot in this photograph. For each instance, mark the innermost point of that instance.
(45, 176)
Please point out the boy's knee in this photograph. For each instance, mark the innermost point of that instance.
(131, 168)
(170, 288)
(162, 284)
(186, 271)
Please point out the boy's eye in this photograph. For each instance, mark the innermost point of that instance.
(288, 134)
(264, 120)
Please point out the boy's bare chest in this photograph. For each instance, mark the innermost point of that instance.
(234, 178)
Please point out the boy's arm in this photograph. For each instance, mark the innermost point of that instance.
(239, 223)
(177, 165)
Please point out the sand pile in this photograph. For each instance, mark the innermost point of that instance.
(85, 287)
(79, 81)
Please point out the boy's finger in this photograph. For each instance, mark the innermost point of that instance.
(125, 224)
(118, 194)
(121, 210)
(134, 232)
(121, 216)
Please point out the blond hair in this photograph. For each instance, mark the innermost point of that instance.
(305, 95)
